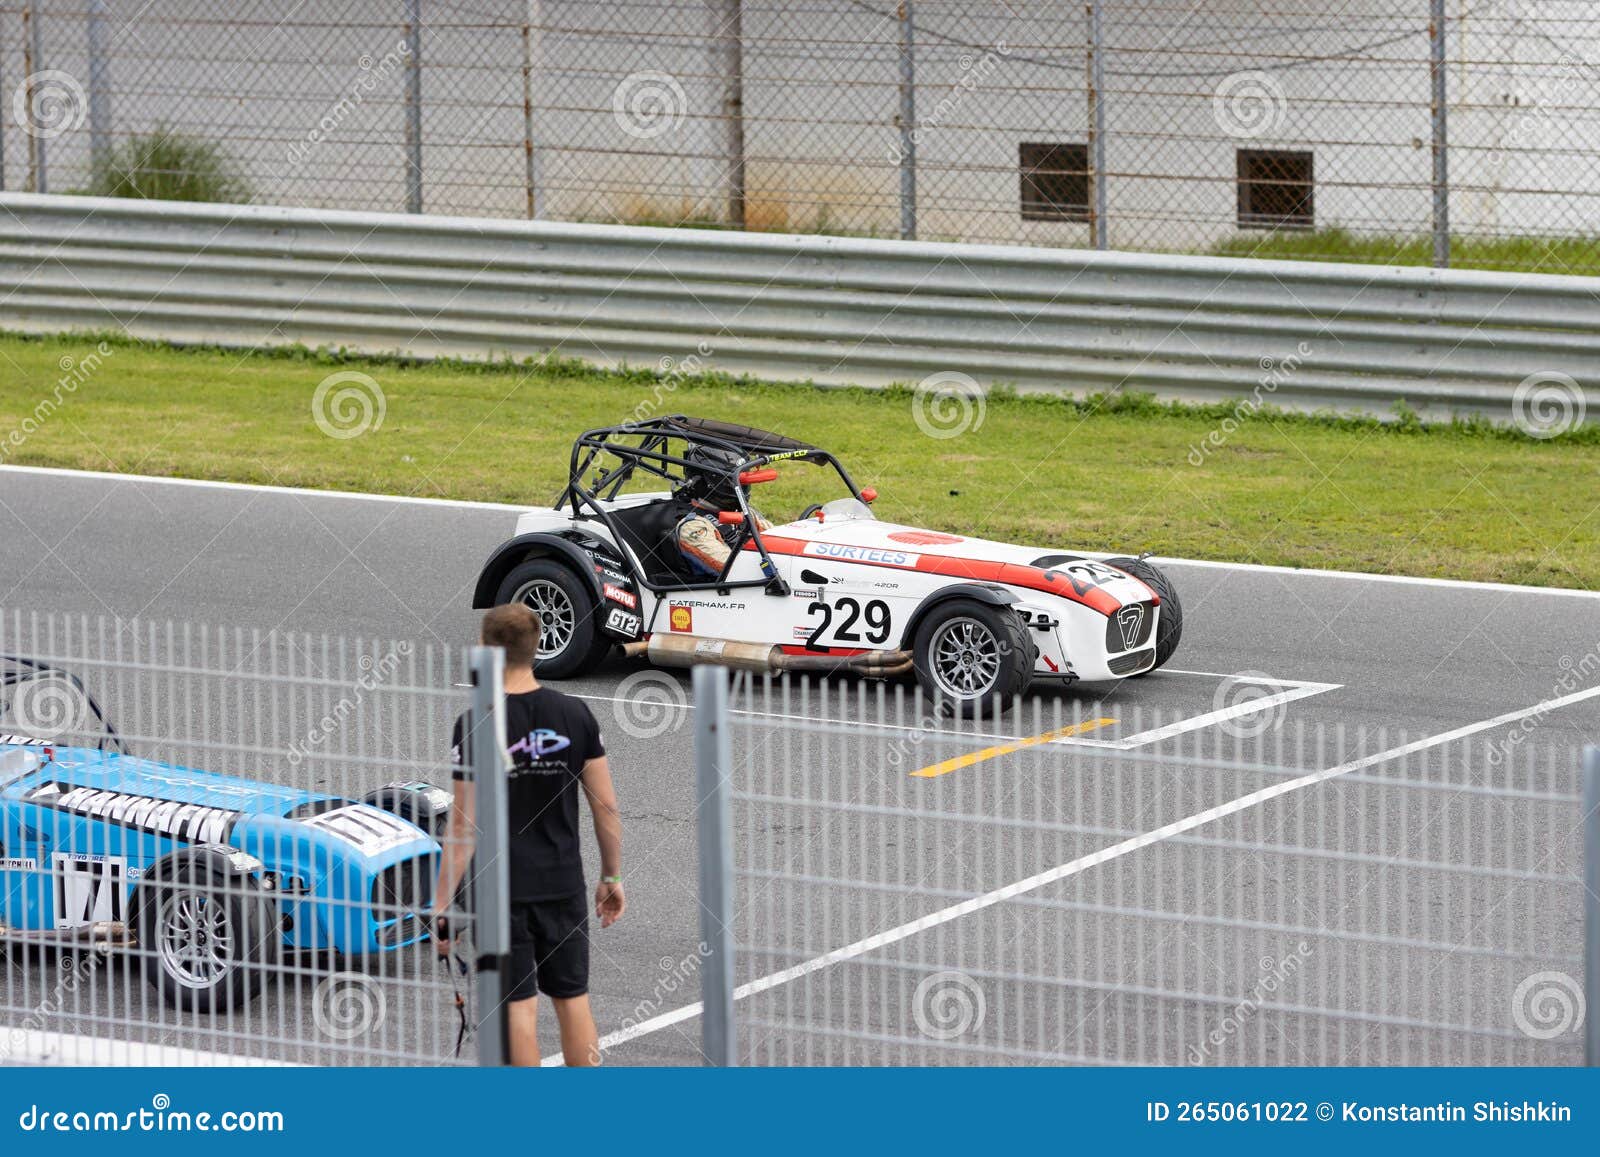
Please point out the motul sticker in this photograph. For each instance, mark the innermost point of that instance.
(869, 554)
(680, 618)
(617, 595)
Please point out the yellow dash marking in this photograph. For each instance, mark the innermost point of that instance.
(972, 757)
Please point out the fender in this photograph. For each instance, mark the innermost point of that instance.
(978, 592)
(537, 544)
(219, 858)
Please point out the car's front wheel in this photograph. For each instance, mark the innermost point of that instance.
(972, 658)
(1169, 627)
(205, 937)
(570, 641)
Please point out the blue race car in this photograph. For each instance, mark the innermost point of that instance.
(210, 877)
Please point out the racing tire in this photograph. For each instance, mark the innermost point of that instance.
(206, 938)
(972, 659)
(1169, 628)
(570, 642)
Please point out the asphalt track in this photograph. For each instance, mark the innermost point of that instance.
(1361, 666)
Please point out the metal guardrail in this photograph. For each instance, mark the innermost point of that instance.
(829, 309)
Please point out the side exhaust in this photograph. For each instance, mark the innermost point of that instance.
(669, 650)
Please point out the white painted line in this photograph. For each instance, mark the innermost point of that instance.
(35, 1048)
(1084, 863)
(459, 504)
(298, 491)
(1223, 714)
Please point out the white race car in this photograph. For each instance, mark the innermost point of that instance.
(835, 589)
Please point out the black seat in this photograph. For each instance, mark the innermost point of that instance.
(651, 532)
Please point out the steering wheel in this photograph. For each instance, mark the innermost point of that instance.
(810, 512)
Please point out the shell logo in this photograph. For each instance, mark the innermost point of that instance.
(681, 619)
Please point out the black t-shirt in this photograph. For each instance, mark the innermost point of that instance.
(549, 736)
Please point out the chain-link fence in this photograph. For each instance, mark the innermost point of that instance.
(219, 847)
(1232, 888)
(1351, 130)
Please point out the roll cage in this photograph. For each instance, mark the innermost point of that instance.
(16, 670)
(647, 446)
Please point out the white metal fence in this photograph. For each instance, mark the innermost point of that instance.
(189, 874)
(1374, 131)
(1046, 889)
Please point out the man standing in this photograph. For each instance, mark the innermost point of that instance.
(555, 749)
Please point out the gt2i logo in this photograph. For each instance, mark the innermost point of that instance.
(623, 622)
(875, 616)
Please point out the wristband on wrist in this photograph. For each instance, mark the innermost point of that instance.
(611, 879)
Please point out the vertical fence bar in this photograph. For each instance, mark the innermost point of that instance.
(532, 50)
(908, 124)
(99, 88)
(1591, 906)
(1441, 137)
(414, 107)
(490, 871)
(727, 35)
(32, 65)
(713, 760)
(1097, 127)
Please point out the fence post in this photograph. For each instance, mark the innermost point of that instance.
(532, 58)
(908, 124)
(32, 65)
(1097, 127)
(1441, 137)
(728, 34)
(414, 107)
(99, 88)
(1591, 906)
(490, 872)
(713, 759)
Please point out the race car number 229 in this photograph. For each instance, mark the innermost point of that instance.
(850, 621)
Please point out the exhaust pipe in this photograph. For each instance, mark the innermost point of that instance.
(667, 650)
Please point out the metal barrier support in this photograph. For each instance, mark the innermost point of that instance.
(713, 759)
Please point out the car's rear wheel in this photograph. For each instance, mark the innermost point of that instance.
(972, 658)
(570, 642)
(1169, 626)
(205, 937)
